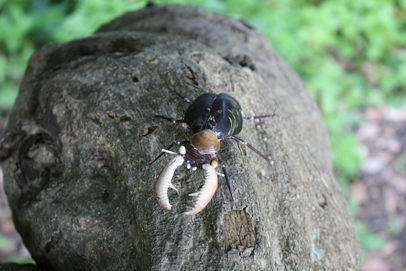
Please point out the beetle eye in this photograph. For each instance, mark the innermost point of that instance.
(214, 163)
(182, 150)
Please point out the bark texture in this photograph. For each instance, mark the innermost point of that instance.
(81, 133)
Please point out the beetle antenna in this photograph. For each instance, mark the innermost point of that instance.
(177, 142)
(183, 98)
(168, 151)
(170, 119)
(239, 140)
(262, 117)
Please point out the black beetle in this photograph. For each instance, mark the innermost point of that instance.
(220, 113)
(212, 117)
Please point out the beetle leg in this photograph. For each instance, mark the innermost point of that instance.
(177, 142)
(261, 117)
(239, 140)
(207, 192)
(226, 177)
(164, 182)
(227, 180)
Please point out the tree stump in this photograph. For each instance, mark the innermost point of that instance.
(81, 133)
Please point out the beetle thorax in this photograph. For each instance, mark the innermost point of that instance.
(206, 142)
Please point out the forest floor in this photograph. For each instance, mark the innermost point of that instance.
(380, 191)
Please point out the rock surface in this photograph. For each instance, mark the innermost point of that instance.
(81, 132)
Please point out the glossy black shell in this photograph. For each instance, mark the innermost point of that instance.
(218, 112)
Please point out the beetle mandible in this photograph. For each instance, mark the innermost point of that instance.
(212, 118)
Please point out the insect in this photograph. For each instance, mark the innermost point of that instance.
(212, 118)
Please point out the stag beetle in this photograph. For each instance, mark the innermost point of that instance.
(212, 118)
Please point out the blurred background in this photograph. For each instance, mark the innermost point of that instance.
(351, 54)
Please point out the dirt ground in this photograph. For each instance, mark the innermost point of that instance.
(381, 187)
(380, 191)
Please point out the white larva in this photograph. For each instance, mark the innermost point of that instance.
(165, 181)
(207, 192)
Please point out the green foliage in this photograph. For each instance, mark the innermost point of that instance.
(368, 240)
(400, 164)
(394, 226)
(83, 21)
